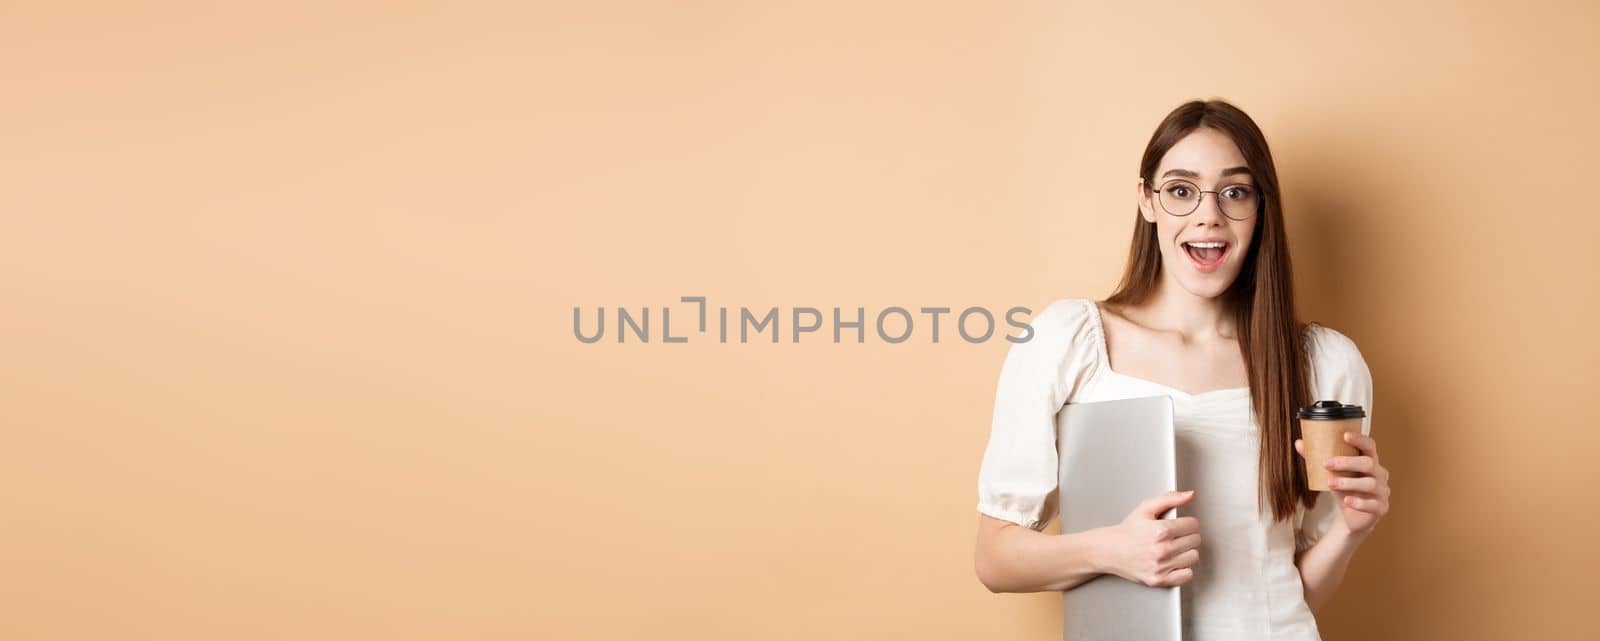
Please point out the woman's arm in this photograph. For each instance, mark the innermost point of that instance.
(1144, 548)
(1363, 499)
(1012, 558)
(1322, 565)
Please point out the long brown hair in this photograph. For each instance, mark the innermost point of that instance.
(1261, 299)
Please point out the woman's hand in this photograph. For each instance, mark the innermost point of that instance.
(1148, 549)
(1363, 498)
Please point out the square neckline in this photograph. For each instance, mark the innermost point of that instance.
(1105, 361)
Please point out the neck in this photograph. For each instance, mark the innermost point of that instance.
(1176, 309)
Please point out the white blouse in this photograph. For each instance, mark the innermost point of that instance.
(1246, 585)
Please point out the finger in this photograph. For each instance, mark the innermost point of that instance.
(1180, 545)
(1185, 560)
(1361, 464)
(1381, 493)
(1300, 447)
(1367, 444)
(1355, 483)
(1178, 577)
(1362, 468)
(1154, 506)
(1368, 505)
(1181, 527)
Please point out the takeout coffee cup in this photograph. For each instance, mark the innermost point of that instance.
(1322, 428)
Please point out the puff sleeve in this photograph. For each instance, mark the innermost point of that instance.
(1339, 373)
(1018, 478)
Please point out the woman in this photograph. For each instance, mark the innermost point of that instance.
(1205, 315)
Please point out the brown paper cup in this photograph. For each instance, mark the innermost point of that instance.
(1323, 439)
(1322, 428)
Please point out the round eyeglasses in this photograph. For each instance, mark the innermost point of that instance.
(1181, 198)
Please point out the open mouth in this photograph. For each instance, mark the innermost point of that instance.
(1206, 255)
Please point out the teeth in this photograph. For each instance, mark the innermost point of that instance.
(1211, 245)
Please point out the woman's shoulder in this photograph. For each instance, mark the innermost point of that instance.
(1068, 330)
(1066, 311)
(1327, 342)
(1062, 349)
(1334, 356)
(1068, 320)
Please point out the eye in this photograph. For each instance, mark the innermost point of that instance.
(1238, 192)
(1180, 191)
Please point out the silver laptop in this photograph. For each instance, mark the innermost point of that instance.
(1114, 454)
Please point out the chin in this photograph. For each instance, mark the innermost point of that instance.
(1213, 285)
(1207, 291)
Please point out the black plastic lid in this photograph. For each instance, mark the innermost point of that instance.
(1331, 410)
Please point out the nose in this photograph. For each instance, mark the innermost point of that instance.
(1210, 210)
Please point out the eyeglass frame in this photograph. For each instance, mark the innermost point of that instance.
(1156, 194)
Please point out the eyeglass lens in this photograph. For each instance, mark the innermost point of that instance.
(1181, 198)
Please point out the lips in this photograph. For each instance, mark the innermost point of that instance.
(1206, 256)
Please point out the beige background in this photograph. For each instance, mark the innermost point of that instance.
(287, 303)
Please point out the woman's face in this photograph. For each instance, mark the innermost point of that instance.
(1208, 160)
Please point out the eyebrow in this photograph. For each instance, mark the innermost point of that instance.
(1184, 173)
